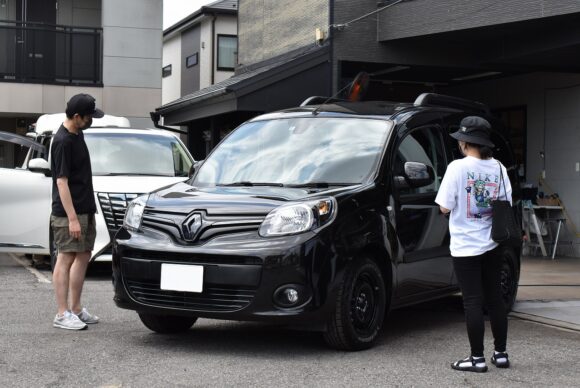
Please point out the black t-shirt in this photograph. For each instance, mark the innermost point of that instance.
(70, 158)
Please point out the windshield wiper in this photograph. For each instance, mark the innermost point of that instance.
(319, 185)
(248, 183)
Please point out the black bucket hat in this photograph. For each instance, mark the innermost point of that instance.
(474, 130)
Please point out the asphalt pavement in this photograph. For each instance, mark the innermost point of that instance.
(415, 348)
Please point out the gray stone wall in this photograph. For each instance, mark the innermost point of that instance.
(268, 28)
(423, 17)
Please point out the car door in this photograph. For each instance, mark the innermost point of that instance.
(422, 230)
(25, 201)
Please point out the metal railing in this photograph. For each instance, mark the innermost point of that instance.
(43, 53)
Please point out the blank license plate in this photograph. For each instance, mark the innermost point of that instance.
(177, 277)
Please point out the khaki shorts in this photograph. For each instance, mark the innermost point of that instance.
(63, 240)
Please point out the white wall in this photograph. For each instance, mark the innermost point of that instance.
(553, 126)
(171, 86)
(226, 25)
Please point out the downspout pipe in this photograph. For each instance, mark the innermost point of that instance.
(155, 117)
(213, 43)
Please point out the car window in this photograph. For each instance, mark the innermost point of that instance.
(14, 148)
(298, 151)
(137, 154)
(423, 145)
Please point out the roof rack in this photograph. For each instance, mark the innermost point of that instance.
(317, 100)
(433, 99)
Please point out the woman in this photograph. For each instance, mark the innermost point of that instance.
(467, 189)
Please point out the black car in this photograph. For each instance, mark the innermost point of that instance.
(321, 215)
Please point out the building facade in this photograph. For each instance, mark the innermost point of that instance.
(54, 49)
(200, 50)
(518, 56)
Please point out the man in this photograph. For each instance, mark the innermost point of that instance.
(73, 212)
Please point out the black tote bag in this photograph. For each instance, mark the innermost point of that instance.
(505, 228)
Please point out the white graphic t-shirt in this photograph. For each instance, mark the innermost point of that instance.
(467, 189)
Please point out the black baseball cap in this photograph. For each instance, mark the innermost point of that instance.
(83, 104)
(474, 130)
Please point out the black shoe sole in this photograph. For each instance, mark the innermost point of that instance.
(502, 365)
(469, 368)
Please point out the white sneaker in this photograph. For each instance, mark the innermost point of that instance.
(68, 321)
(87, 317)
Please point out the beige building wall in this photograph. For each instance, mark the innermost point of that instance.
(268, 28)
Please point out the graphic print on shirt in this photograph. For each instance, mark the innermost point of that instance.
(481, 189)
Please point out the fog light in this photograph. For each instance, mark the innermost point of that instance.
(291, 295)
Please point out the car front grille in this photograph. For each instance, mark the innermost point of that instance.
(171, 224)
(213, 298)
(114, 206)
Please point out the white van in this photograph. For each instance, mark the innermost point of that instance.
(125, 162)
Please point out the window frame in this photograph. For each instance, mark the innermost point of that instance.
(196, 55)
(222, 68)
(166, 68)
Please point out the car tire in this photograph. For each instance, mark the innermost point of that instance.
(510, 277)
(53, 250)
(167, 324)
(360, 308)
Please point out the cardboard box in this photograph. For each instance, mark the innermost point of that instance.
(548, 201)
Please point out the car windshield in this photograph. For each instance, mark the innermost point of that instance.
(309, 151)
(137, 154)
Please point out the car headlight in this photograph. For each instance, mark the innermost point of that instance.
(134, 214)
(300, 217)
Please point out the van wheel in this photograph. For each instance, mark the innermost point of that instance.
(359, 308)
(509, 278)
(167, 324)
(53, 250)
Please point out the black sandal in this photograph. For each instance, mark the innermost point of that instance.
(470, 368)
(497, 360)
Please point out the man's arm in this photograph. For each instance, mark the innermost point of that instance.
(444, 210)
(73, 222)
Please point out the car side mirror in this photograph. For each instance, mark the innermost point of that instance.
(194, 167)
(39, 165)
(416, 175)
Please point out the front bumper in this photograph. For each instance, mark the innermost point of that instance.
(242, 273)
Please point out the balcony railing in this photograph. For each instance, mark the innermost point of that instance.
(41, 53)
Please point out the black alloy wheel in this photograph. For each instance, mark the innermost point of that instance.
(360, 308)
(509, 278)
(167, 324)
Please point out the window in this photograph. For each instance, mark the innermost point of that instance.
(423, 145)
(227, 51)
(166, 71)
(192, 60)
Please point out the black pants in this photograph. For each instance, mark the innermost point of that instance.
(479, 277)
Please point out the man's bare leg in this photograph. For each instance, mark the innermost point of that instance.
(77, 279)
(60, 279)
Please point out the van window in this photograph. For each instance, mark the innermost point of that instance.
(298, 151)
(423, 145)
(134, 154)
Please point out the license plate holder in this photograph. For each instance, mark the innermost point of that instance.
(179, 277)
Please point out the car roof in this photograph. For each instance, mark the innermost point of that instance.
(48, 123)
(129, 131)
(330, 106)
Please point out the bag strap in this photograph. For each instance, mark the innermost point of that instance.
(500, 182)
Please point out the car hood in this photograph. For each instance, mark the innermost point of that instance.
(132, 184)
(232, 200)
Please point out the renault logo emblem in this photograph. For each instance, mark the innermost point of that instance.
(191, 226)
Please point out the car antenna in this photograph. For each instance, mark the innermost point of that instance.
(356, 89)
